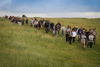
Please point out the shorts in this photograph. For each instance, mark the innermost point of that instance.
(82, 40)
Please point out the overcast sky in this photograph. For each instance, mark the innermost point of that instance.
(51, 8)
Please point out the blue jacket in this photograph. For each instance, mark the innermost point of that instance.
(80, 31)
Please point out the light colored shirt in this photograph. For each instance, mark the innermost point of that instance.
(36, 22)
(19, 23)
(94, 32)
(74, 34)
(91, 38)
(32, 21)
(63, 28)
(83, 38)
(67, 30)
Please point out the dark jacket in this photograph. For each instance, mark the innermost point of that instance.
(59, 25)
(26, 20)
(46, 24)
(80, 31)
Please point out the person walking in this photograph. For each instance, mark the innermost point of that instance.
(87, 36)
(74, 35)
(91, 37)
(27, 21)
(54, 30)
(46, 26)
(59, 26)
(70, 36)
(63, 28)
(57, 30)
(31, 22)
(94, 34)
(67, 33)
(80, 31)
(83, 37)
(22, 21)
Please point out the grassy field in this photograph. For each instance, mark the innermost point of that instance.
(25, 46)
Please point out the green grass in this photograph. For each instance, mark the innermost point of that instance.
(25, 46)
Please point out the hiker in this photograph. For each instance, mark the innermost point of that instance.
(63, 28)
(39, 24)
(27, 21)
(70, 36)
(67, 33)
(18, 19)
(90, 31)
(10, 18)
(83, 31)
(15, 20)
(94, 34)
(36, 23)
(75, 28)
(74, 35)
(22, 21)
(57, 30)
(31, 22)
(19, 22)
(54, 30)
(87, 36)
(80, 31)
(43, 25)
(83, 37)
(51, 26)
(46, 26)
(6, 16)
(91, 37)
(59, 26)
(42, 20)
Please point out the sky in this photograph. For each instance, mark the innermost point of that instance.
(51, 8)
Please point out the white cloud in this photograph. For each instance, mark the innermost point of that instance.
(56, 15)
(20, 14)
(92, 14)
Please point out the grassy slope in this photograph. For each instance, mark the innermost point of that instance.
(24, 46)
